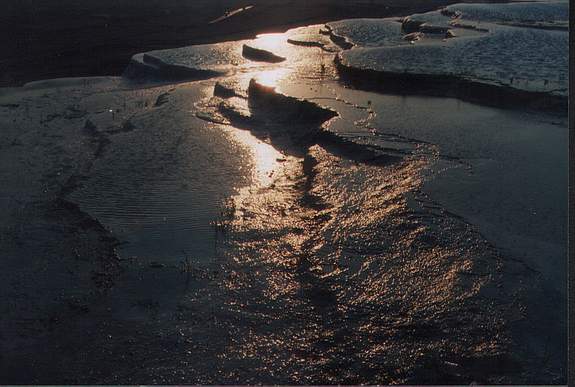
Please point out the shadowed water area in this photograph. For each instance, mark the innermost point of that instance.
(337, 204)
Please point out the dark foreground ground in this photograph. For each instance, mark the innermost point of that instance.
(54, 39)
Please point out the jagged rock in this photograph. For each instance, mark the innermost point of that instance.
(285, 108)
(149, 67)
(224, 91)
(161, 100)
(450, 13)
(431, 29)
(450, 34)
(413, 36)
(235, 113)
(305, 43)
(260, 55)
(340, 41)
(408, 25)
(468, 27)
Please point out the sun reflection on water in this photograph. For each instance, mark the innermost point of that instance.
(271, 41)
(272, 78)
(265, 158)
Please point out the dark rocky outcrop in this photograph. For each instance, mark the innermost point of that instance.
(260, 55)
(305, 43)
(408, 25)
(286, 108)
(413, 36)
(148, 67)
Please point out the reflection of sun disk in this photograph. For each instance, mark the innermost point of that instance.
(272, 77)
(265, 157)
(270, 41)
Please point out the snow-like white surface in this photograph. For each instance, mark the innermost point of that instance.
(489, 50)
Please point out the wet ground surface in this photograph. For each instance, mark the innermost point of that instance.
(271, 225)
